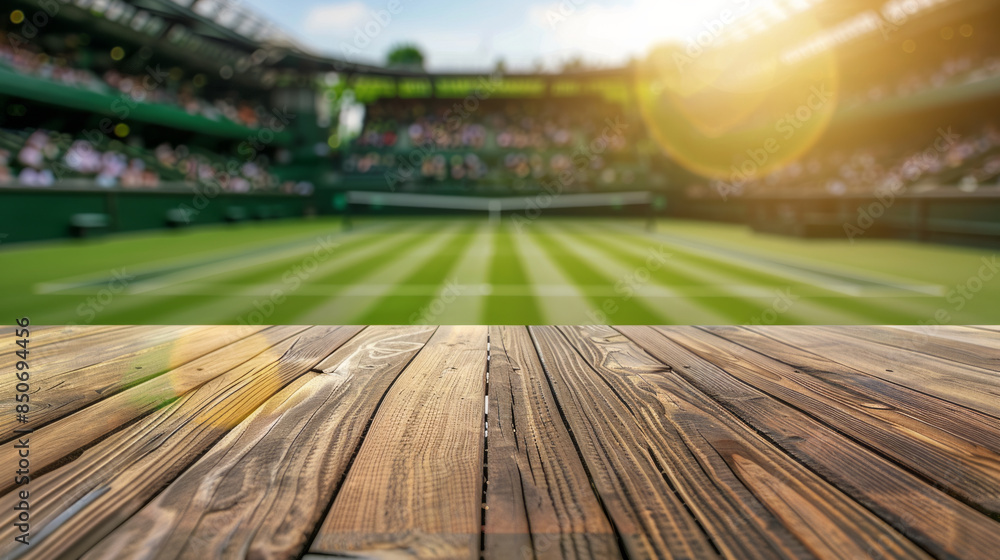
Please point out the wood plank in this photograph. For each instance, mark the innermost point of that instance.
(750, 497)
(954, 446)
(648, 517)
(93, 349)
(262, 490)
(939, 523)
(77, 504)
(926, 343)
(539, 500)
(54, 396)
(41, 339)
(956, 333)
(968, 386)
(415, 488)
(66, 435)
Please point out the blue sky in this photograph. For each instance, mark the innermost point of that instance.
(473, 34)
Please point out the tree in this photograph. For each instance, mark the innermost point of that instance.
(573, 64)
(409, 57)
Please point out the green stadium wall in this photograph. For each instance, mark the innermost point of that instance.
(39, 214)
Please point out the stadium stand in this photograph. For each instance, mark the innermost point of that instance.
(504, 145)
(145, 116)
(170, 98)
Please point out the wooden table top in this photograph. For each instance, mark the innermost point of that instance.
(504, 442)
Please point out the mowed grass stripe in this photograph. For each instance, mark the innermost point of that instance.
(861, 309)
(272, 271)
(471, 272)
(506, 269)
(150, 308)
(633, 284)
(735, 309)
(242, 304)
(246, 303)
(618, 311)
(568, 306)
(905, 308)
(392, 309)
(746, 309)
(297, 307)
(384, 271)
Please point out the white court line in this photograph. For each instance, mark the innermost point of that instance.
(209, 268)
(483, 290)
(853, 283)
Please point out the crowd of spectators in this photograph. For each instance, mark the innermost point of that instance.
(188, 94)
(41, 158)
(966, 163)
(960, 69)
(505, 142)
(510, 125)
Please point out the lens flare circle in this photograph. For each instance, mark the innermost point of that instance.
(739, 111)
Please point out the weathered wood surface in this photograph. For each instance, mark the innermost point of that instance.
(928, 341)
(42, 341)
(748, 497)
(508, 442)
(956, 447)
(83, 500)
(538, 499)
(58, 390)
(945, 526)
(415, 488)
(263, 488)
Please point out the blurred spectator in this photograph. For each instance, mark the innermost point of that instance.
(44, 157)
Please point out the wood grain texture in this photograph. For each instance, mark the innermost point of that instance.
(75, 431)
(925, 342)
(957, 447)
(415, 488)
(538, 497)
(944, 526)
(42, 340)
(94, 348)
(55, 393)
(648, 516)
(751, 499)
(968, 386)
(79, 503)
(671, 442)
(262, 490)
(981, 336)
